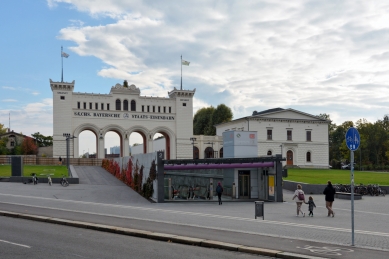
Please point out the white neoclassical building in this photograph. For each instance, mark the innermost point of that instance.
(300, 137)
(123, 111)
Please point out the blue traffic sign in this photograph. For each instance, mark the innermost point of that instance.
(353, 139)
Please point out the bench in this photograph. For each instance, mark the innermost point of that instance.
(347, 196)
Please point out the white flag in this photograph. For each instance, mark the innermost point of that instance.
(185, 63)
(63, 54)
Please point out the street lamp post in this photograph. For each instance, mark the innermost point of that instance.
(68, 137)
(193, 143)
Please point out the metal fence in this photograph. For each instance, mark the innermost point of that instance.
(34, 160)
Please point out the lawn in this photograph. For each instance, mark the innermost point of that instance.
(321, 176)
(55, 171)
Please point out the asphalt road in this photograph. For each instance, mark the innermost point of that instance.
(21, 238)
(105, 200)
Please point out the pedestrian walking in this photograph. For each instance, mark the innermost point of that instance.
(219, 191)
(329, 193)
(299, 194)
(311, 205)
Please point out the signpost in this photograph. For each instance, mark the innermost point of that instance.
(352, 141)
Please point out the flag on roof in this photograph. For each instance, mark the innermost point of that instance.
(185, 63)
(63, 54)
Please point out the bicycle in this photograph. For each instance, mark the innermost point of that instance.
(64, 182)
(49, 181)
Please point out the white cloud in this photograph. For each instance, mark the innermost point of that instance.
(31, 118)
(9, 100)
(250, 55)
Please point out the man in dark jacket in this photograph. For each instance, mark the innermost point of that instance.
(329, 192)
(219, 191)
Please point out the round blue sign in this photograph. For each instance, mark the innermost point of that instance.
(352, 139)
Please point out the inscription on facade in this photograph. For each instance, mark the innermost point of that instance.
(125, 115)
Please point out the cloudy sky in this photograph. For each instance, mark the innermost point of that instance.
(314, 56)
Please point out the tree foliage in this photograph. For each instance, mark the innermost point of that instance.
(29, 147)
(43, 141)
(205, 119)
(373, 152)
(2, 129)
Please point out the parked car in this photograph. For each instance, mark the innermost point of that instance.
(348, 166)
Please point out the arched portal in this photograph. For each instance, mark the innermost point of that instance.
(87, 144)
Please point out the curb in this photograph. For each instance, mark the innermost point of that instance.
(161, 236)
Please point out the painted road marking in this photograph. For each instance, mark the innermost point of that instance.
(325, 250)
(382, 234)
(16, 244)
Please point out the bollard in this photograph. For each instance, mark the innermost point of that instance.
(233, 191)
(259, 209)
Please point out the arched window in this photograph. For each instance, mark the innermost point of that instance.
(221, 153)
(208, 153)
(308, 156)
(195, 153)
(133, 105)
(125, 105)
(269, 153)
(118, 105)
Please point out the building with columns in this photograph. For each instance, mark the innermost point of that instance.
(123, 111)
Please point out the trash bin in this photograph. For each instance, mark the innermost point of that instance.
(259, 209)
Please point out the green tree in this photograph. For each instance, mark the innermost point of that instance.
(43, 141)
(202, 120)
(221, 114)
(2, 129)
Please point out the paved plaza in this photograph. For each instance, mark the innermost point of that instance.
(99, 195)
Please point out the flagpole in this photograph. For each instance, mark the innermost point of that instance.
(181, 72)
(61, 65)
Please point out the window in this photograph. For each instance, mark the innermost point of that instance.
(85, 105)
(125, 105)
(148, 108)
(78, 105)
(170, 109)
(308, 156)
(164, 109)
(12, 144)
(143, 108)
(102, 106)
(107, 106)
(159, 108)
(153, 108)
(269, 153)
(118, 105)
(289, 135)
(183, 104)
(90, 106)
(133, 105)
(62, 97)
(269, 134)
(96, 106)
(309, 134)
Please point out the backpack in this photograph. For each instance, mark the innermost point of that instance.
(219, 189)
(301, 196)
